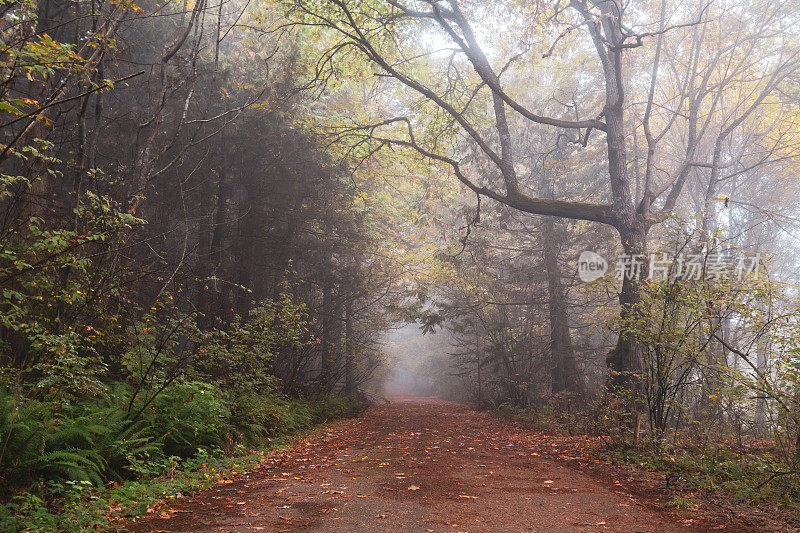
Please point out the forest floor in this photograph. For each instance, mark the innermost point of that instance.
(421, 464)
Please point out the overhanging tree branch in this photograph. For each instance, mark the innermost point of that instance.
(517, 200)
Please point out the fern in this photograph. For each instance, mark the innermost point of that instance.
(36, 444)
(74, 465)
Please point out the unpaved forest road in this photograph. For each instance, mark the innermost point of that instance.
(414, 465)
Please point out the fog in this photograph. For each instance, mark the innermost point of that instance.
(419, 363)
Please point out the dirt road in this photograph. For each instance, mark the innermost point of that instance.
(415, 465)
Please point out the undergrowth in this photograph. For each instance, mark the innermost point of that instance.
(73, 468)
(748, 473)
(755, 473)
(562, 414)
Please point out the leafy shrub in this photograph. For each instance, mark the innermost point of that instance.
(259, 416)
(241, 356)
(187, 416)
(28, 512)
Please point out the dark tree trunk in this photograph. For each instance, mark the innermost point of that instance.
(565, 369)
(479, 362)
(349, 353)
(204, 253)
(286, 246)
(326, 358)
(214, 201)
(625, 360)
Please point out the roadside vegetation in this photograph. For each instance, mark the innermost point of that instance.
(92, 476)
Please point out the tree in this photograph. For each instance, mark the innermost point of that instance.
(463, 93)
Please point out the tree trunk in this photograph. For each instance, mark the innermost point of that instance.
(326, 358)
(762, 360)
(625, 360)
(478, 355)
(349, 353)
(565, 375)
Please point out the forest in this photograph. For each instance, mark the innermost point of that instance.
(230, 226)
